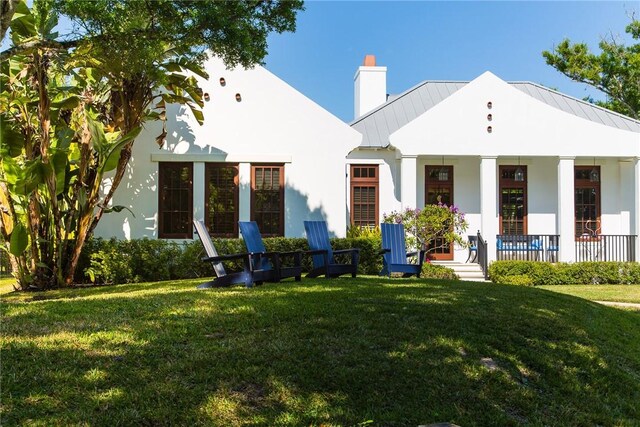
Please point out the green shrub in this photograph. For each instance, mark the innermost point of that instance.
(370, 259)
(431, 271)
(355, 232)
(111, 264)
(147, 260)
(542, 273)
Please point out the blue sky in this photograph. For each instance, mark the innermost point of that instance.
(429, 40)
(425, 40)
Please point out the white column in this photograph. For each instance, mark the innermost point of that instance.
(566, 210)
(488, 204)
(408, 181)
(244, 197)
(636, 210)
(198, 190)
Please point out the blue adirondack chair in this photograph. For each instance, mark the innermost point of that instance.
(323, 255)
(395, 258)
(263, 260)
(248, 276)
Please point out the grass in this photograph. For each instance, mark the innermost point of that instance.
(337, 352)
(6, 285)
(617, 293)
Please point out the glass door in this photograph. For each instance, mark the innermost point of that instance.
(439, 189)
(513, 200)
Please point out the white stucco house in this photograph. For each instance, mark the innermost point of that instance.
(265, 152)
(519, 159)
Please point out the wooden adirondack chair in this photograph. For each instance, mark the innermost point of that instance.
(324, 261)
(263, 260)
(248, 276)
(395, 258)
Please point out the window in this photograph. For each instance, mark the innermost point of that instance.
(221, 199)
(587, 200)
(175, 204)
(267, 198)
(513, 200)
(439, 185)
(364, 195)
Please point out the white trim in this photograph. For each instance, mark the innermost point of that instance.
(221, 158)
(448, 161)
(364, 162)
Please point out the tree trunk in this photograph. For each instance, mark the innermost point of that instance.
(8, 9)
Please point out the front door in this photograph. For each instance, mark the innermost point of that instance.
(439, 189)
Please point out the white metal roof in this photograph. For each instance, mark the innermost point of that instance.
(378, 124)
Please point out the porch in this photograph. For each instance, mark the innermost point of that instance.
(545, 247)
(556, 209)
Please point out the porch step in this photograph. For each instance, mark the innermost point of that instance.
(466, 271)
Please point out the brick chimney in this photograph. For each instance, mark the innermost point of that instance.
(370, 86)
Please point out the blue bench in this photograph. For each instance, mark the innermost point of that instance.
(520, 244)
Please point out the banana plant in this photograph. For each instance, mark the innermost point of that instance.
(68, 122)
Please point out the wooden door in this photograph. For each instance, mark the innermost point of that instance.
(439, 189)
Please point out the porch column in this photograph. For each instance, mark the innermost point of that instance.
(488, 203)
(244, 196)
(198, 190)
(636, 213)
(408, 181)
(566, 210)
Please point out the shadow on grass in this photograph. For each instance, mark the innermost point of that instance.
(398, 352)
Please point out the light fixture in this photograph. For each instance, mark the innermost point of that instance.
(519, 174)
(489, 105)
(206, 96)
(489, 117)
(223, 82)
(238, 97)
(594, 175)
(443, 174)
(489, 129)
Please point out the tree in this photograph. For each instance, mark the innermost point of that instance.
(71, 112)
(432, 227)
(614, 71)
(7, 9)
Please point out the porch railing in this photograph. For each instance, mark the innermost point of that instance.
(482, 256)
(606, 247)
(527, 247)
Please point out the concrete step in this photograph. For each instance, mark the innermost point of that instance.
(465, 271)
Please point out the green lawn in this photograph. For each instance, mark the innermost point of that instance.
(332, 352)
(618, 293)
(6, 285)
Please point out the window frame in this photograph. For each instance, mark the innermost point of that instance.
(586, 183)
(364, 182)
(512, 183)
(161, 200)
(254, 167)
(236, 198)
(429, 183)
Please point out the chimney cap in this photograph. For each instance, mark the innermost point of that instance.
(369, 61)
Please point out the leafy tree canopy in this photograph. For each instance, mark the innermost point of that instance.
(138, 30)
(72, 106)
(614, 71)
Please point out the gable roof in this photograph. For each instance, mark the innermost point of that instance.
(376, 125)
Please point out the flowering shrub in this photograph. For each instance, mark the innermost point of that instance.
(432, 227)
